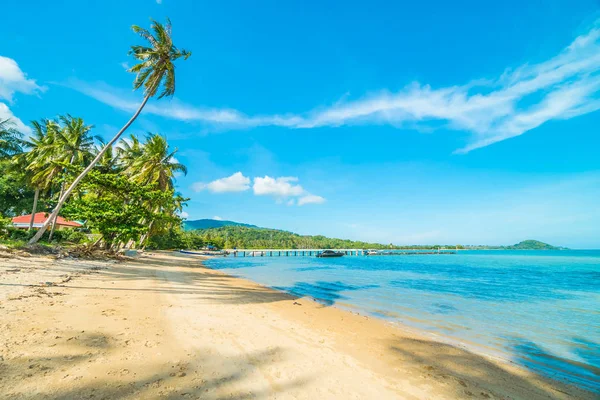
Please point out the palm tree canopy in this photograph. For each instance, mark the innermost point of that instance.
(128, 150)
(10, 139)
(156, 68)
(74, 143)
(41, 149)
(53, 143)
(157, 163)
(109, 161)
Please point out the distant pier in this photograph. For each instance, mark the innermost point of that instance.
(314, 252)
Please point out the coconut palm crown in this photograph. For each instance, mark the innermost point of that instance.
(156, 69)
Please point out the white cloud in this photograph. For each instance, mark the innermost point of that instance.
(183, 214)
(234, 183)
(216, 217)
(310, 199)
(284, 189)
(277, 187)
(492, 110)
(5, 114)
(13, 80)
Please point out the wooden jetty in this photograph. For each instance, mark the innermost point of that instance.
(314, 252)
(289, 252)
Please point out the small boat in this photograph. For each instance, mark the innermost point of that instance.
(330, 253)
(372, 252)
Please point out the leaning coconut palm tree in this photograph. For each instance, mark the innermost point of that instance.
(155, 73)
(10, 139)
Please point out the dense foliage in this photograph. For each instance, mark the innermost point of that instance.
(16, 196)
(229, 237)
(125, 199)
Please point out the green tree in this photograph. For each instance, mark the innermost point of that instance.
(37, 160)
(10, 139)
(155, 72)
(156, 163)
(15, 193)
(73, 144)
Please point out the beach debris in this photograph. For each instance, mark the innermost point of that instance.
(297, 304)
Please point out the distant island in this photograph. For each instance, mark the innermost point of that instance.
(230, 234)
(532, 245)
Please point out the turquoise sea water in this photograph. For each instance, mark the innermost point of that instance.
(540, 309)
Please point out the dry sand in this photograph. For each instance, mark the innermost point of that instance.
(164, 326)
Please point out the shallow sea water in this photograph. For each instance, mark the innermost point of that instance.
(540, 309)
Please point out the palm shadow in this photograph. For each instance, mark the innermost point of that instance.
(205, 375)
(471, 375)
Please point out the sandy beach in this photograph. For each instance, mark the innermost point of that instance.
(164, 326)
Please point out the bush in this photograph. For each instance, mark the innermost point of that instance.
(67, 235)
(19, 234)
(175, 239)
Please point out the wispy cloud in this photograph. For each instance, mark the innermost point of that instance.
(310, 199)
(492, 110)
(14, 80)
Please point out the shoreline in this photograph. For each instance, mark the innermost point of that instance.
(492, 354)
(165, 325)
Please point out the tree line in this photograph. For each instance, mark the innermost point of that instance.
(241, 237)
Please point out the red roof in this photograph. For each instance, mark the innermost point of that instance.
(41, 217)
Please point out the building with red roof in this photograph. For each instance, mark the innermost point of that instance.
(39, 219)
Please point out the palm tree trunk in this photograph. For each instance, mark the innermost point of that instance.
(73, 185)
(36, 195)
(62, 191)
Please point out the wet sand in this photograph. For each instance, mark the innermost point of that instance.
(164, 326)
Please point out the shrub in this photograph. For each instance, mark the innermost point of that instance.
(68, 235)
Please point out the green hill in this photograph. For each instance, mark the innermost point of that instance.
(532, 245)
(211, 223)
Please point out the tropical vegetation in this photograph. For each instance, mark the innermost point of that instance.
(123, 201)
(155, 73)
(122, 190)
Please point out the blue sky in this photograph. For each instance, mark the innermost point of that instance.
(461, 122)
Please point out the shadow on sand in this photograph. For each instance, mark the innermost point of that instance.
(456, 366)
(204, 375)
